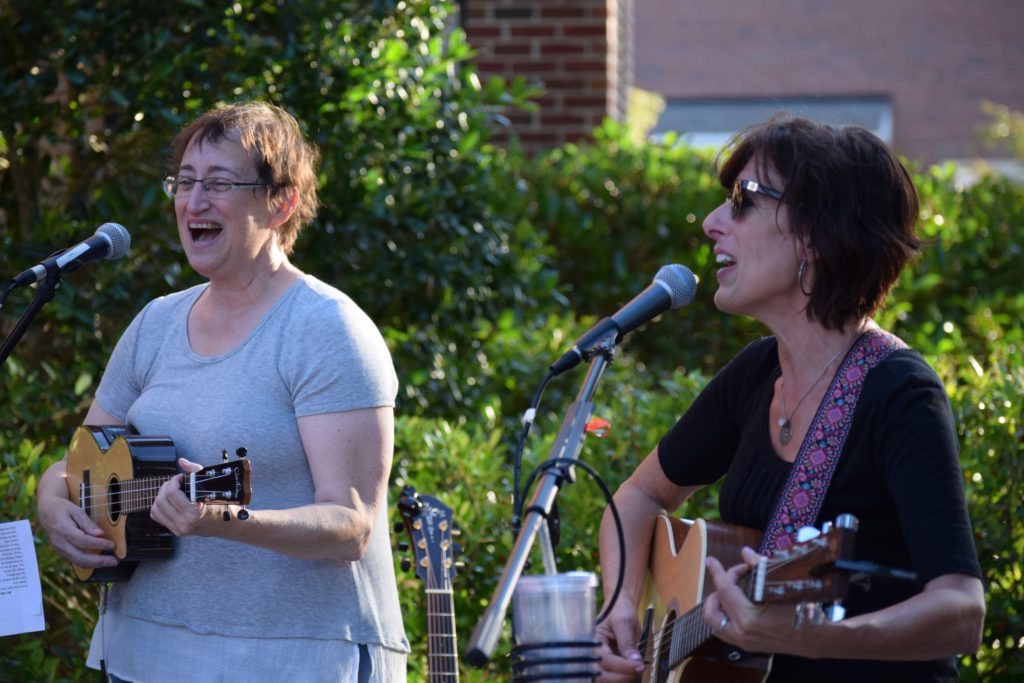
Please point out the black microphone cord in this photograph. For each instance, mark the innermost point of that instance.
(517, 466)
(570, 462)
(517, 496)
(6, 293)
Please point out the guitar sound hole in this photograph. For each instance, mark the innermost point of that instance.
(114, 499)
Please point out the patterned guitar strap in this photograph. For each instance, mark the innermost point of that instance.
(808, 481)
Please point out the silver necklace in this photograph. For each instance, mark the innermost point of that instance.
(785, 422)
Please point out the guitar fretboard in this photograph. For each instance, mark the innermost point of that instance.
(442, 653)
(689, 632)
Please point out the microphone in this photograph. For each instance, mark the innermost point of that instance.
(111, 241)
(673, 287)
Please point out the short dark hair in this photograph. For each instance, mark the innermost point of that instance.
(285, 161)
(848, 197)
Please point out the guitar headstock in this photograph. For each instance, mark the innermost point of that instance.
(228, 482)
(429, 524)
(806, 571)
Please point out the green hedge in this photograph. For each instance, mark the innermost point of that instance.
(480, 264)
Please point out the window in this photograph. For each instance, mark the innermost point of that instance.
(711, 122)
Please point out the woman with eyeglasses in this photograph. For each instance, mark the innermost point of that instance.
(301, 585)
(829, 419)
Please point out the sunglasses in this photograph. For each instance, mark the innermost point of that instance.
(739, 200)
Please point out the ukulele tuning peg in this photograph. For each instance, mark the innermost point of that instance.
(241, 452)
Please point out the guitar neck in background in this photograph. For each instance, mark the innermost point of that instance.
(442, 645)
(431, 528)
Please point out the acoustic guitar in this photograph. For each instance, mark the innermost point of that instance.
(677, 645)
(115, 475)
(429, 523)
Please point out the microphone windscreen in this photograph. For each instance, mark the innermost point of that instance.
(118, 237)
(680, 282)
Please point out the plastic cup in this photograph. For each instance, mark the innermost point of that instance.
(553, 625)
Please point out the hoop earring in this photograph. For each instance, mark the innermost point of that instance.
(800, 277)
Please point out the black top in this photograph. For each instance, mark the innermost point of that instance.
(898, 473)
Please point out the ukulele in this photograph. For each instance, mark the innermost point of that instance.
(429, 524)
(115, 476)
(677, 644)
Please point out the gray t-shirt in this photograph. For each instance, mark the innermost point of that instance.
(314, 352)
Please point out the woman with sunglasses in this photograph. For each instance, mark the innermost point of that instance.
(301, 585)
(828, 416)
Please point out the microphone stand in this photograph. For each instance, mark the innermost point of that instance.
(567, 445)
(45, 291)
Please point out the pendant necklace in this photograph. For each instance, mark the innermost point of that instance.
(784, 422)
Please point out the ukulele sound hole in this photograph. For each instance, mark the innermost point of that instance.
(114, 499)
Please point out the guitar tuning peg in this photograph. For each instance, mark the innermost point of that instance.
(399, 527)
(224, 454)
(861, 580)
(835, 612)
(847, 521)
(806, 533)
(405, 564)
(241, 452)
(243, 514)
(456, 531)
(403, 546)
(460, 565)
(456, 549)
(808, 612)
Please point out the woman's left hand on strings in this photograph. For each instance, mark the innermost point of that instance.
(173, 509)
(732, 617)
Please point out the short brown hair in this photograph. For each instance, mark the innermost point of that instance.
(284, 159)
(848, 197)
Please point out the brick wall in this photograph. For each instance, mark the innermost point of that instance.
(936, 60)
(579, 50)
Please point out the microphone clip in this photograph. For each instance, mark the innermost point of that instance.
(599, 339)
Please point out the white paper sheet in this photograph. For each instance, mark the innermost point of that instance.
(21, 595)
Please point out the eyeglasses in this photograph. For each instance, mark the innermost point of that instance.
(739, 200)
(174, 185)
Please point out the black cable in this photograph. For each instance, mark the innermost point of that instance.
(555, 462)
(517, 466)
(7, 293)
